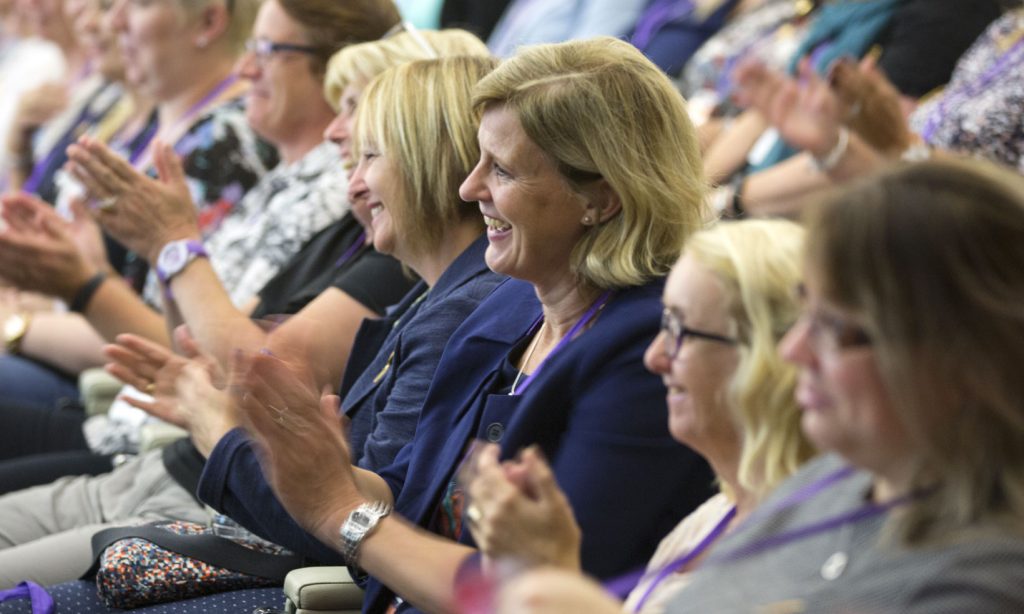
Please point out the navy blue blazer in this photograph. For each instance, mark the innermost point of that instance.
(387, 377)
(597, 414)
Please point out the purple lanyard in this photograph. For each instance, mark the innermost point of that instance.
(207, 99)
(656, 17)
(85, 118)
(587, 317)
(685, 559)
(42, 602)
(140, 148)
(352, 250)
(970, 90)
(868, 510)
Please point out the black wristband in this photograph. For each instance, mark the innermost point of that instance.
(86, 292)
(735, 209)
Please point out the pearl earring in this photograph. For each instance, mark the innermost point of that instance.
(587, 220)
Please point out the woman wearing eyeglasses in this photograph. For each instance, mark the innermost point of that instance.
(909, 352)
(727, 303)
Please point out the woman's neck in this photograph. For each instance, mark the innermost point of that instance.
(177, 107)
(564, 303)
(726, 467)
(894, 480)
(431, 266)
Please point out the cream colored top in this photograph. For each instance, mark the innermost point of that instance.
(681, 540)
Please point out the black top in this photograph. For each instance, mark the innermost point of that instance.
(925, 38)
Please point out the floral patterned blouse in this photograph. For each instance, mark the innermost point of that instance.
(981, 110)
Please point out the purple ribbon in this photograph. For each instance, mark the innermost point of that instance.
(685, 559)
(42, 602)
(970, 90)
(587, 317)
(868, 510)
(352, 250)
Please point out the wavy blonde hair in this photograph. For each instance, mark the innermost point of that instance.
(600, 110)
(931, 258)
(359, 64)
(758, 263)
(420, 115)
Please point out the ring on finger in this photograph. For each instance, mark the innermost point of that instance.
(106, 204)
(150, 388)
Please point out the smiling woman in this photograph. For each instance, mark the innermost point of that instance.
(552, 358)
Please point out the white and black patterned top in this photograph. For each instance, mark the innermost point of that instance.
(289, 205)
(981, 111)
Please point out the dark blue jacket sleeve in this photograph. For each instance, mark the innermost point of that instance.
(233, 477)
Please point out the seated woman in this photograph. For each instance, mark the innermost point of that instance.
(728, 302)
(200, 114)
(435, 235)
(568, 138)
(919, 506)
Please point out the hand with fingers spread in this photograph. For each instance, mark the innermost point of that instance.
(517, 510)
(876, 107)
(142, 213)
(182, 386)
(805, 111)
(39, 250)
(303, 449)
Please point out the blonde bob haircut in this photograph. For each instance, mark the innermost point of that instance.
(930, 258)
(359, 64)
(758, 263)
(420, 116)
(241, 15)
(600, 110)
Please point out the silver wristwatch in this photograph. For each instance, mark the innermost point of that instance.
(360, 523)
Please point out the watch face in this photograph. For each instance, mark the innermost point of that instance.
(175, 256)
(360, 519)
(13, 326)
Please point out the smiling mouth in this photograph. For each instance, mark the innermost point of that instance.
(496, 225)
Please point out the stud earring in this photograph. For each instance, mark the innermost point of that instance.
(587, 220)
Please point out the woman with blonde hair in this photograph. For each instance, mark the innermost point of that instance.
(728, 302)
(568, 137)
(909, 353)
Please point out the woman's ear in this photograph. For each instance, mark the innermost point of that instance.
(601, 203)
(212, 24)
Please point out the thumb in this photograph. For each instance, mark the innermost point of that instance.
(538, 476)
(168, 166)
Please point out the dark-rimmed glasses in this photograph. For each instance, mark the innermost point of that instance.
(263, 49)
(675, 333)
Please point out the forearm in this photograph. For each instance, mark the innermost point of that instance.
(116, 309)
(419, 566)
(781, 189)
(728, 152)
(215, 323)
(63, 340)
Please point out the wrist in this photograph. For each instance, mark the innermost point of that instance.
(183, 233)
(826, 161)
(79, 301)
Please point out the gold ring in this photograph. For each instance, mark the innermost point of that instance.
(105, 204)
(150, 388)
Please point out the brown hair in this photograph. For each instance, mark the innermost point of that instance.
(931, 259)
(333, 24)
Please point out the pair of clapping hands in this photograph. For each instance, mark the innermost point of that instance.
(44, 252)
(808, 110)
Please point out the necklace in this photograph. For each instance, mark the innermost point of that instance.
(526, 361)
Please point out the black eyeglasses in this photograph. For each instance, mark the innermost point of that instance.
(675, 333)
(263, 49)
